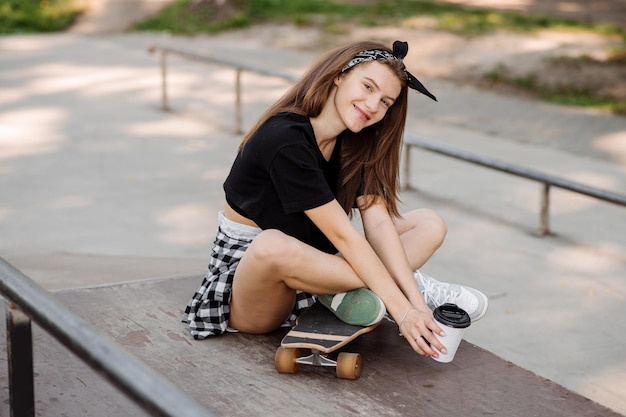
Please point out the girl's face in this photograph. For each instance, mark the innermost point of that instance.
(365, 93)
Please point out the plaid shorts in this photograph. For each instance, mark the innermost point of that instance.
(208, 311)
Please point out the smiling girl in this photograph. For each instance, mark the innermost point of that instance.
(329, 146)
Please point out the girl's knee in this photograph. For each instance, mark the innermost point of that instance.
(272, 246)
(437, 223)
(429, 221)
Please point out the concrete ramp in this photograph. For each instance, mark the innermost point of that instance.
(234, 375)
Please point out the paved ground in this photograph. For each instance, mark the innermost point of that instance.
(99, 186)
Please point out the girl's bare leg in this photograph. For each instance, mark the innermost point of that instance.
(274, 264)
(422, 232)
(263, 288)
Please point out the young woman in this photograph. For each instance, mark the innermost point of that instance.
(329, 146)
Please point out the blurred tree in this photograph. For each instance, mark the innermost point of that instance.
(28, 16)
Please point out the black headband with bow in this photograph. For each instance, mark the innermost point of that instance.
(400, 49)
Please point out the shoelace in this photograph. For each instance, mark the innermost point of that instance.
(437, 293)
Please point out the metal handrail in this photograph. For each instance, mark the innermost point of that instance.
(409, 141)
(141, 384)
(546, 179)
(239, 69)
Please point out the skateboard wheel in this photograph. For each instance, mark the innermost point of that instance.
(285, 360)
(349, 365)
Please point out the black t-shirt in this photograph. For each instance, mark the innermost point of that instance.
(280, 173)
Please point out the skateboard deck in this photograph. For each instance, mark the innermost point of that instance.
(320, 331)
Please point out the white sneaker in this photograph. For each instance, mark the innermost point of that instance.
(436, 293)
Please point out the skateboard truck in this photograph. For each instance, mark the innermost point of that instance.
(347, 365)
(316, 358)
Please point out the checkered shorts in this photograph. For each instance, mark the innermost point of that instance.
(208, 311)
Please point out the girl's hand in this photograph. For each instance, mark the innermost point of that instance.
(417, 327)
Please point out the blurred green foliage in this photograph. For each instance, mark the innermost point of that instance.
(186, 17)
(33, 16)
(565, 94)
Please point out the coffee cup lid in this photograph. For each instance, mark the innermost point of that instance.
(452, 315)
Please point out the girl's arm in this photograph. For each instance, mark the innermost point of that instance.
(331, 219)
(382, 235)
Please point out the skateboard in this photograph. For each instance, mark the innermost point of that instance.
(320, 331)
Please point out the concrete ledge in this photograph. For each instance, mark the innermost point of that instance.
(234, 375)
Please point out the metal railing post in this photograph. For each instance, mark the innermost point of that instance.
(163, 61)
(238, 113)
(544, 219)
(20, 362)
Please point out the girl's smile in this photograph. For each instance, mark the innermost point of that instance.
(364, 116)
(364, 94)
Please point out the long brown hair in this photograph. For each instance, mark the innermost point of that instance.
(370, 159)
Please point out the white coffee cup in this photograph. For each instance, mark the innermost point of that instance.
(453, 320)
